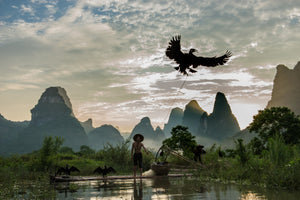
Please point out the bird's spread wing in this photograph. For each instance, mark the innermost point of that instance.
(74, 169)
(60, 171)
(173, 51)
(110, 169)
(212, 61)
(98, 170)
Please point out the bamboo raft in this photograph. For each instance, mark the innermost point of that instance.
(93, 178)
(160, 169)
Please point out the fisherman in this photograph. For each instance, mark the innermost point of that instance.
(136, 154)
(198, 150)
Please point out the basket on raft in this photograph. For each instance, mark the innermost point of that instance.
(161, 169)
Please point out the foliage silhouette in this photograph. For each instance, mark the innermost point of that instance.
(277, 120)
(181, 139)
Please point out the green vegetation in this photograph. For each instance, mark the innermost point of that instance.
(181, 140)
(27, 176)
(277, 167)
(270, 160)
(277, 120)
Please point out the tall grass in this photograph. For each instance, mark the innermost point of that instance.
(278, 166)
(279, 152)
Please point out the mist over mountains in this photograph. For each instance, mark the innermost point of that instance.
(53, 116)
(221, 123)
(152, 138)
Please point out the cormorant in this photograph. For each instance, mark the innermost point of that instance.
(66, 170)
(104, 171)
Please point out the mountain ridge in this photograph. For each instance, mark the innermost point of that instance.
(286, 90)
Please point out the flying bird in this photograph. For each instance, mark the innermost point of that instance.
(185, 60)
(104, 171)
(66, 170)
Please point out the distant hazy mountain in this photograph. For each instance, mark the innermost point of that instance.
(191, 116)
(175, 119)
(152, 138)
(220, 124)
(87, 125)
(9, 131)
(103, 135)
(52, 116)
(159, 134)
(286, 88)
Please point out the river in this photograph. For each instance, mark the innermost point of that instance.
(163, 188)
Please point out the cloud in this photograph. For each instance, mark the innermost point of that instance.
(27, 9)
(112, 52)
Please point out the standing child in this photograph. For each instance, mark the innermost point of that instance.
(136, 154)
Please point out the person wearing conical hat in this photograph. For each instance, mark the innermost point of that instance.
(136, 154)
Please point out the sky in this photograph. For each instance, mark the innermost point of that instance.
(110, 55)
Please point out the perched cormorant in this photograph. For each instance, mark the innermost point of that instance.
(104, 171)
(185, 60)
(66, 170)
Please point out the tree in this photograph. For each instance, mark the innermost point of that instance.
(277, 120)
(241, 152)
(49, 150)
(86, 151)
(181, 139)
(66, 150)
(256, 146)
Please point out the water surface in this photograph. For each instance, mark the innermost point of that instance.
(163, 188)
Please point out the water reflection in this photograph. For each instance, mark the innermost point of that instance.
(164, 188)
(138, 193)
(252, 196)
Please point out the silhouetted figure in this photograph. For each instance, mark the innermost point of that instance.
(221, 153)
(198, 150)
(185, 60)
(66, 170)
(136, 154)
(104, 171)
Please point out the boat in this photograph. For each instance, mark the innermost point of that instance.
(161, 169)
